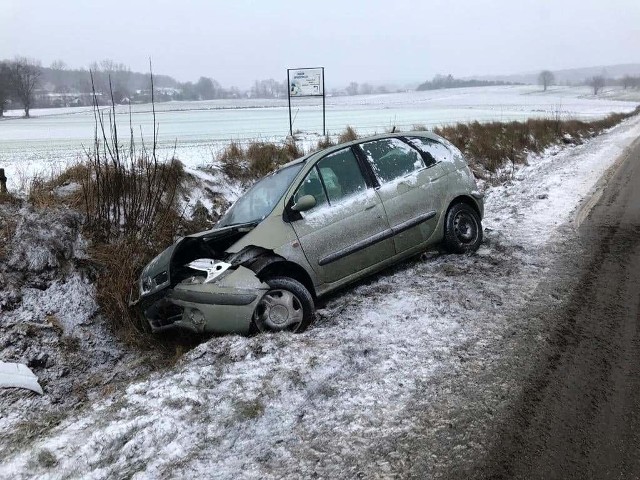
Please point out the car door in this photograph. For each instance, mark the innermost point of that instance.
(411, 188)
(347, 231)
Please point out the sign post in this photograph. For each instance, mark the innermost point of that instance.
(306, 82)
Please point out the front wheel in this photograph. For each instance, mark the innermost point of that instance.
(463, 229)
(287, 306)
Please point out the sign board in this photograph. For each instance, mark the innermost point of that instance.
(306, 82)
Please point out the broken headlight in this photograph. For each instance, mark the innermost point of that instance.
(207, 270)
(149, 284)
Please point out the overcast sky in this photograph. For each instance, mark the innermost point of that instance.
(398, 41)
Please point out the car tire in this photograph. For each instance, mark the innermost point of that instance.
(286, 301)
(462, 229)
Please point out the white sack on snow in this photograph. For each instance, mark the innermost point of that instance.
(17, 375)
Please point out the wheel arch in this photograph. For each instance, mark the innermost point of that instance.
(278, 266)
(465, 199)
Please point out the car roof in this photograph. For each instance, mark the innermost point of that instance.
(340, 146)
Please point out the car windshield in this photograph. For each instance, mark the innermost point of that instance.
(261, 199)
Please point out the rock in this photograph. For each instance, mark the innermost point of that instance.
(39, 361)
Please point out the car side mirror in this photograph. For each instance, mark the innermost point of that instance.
(304, 203)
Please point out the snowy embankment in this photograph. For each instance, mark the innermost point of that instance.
(368, 390)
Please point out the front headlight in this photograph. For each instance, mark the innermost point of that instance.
(149, 284)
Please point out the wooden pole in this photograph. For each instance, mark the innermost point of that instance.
(3, 181)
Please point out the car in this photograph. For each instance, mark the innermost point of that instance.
(311, 227)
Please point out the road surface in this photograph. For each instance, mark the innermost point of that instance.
(578, 415)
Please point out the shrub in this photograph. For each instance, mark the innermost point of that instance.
(130, 201)
(257, 160)
(348, 135)
(491, 146)
(325, 142)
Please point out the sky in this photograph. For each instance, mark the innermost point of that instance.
(397, 42)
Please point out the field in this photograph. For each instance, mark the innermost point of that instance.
(197, 130)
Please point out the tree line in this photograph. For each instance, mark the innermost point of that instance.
(448, 81)
(26, 84)
(546, 78)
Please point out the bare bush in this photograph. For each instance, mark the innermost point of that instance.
(348, 135)
(257, 160)
(325, 142)
(494, 145)
(130, 201)
(127, 192)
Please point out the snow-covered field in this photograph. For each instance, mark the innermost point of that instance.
(371, 390)
(197, 130)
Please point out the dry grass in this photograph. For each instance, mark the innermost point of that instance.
(256, 160)
(494, 145)
(325, 142)
(349, 134)
(42, 189)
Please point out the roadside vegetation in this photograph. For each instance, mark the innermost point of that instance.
(130, 198)
(492, 147)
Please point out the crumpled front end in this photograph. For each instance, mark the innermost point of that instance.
(223, 305)
(192, 286)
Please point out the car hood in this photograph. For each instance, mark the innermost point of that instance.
(157, 274)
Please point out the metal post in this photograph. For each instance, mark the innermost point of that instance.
(289, 100)
(3, 181)
(324, 124)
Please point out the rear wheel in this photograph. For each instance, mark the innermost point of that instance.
(463, 229)
(287, 306)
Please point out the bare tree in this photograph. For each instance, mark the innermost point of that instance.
(58, 65)
(546, 78)
(352, 89)
(5, 86)
(596, 83)
(366, 89)
(627, 81)
(25, 75)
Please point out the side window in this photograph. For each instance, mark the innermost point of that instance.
(312, 185)
(341, 175)
(432, 149)
(392, 158)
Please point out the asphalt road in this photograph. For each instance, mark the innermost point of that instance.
(578, 416)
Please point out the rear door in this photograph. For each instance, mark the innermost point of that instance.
(411, 188)
(347, 231)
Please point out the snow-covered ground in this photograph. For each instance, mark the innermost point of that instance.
(369, 381)
(197, 130)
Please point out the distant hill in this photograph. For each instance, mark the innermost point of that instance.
(568, 76)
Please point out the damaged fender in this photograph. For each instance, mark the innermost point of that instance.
(17, 375)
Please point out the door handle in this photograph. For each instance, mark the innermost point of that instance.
(369, 207)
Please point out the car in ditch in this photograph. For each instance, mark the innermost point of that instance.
(314, 225)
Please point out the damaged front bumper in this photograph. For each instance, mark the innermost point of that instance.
(224, 304)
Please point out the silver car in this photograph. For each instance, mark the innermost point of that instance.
(311, 227)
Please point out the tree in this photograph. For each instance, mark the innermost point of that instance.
(352, 89)
(628, 81)
(58, 65)
(596, 83)
(25, 76)
(366, 89)
(205, 88)
(546, 78)
(5, 86)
